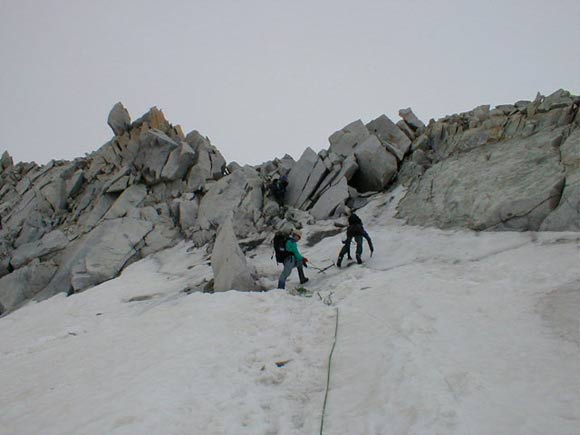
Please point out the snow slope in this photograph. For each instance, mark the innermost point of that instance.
(440, 332)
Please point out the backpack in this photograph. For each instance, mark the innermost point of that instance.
(353, 219)
(279, 243)
(355, 230)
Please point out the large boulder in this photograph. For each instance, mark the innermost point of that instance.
(299, 176)
(340, 169)
(179, 162)
(208, 162)
(411, 119)
(390, 136)
(344, 141)
(119, 119)
(230, 269)
(331, 200)
(313, 180)
(107, 250)
(377, 166)
(98, 255)
(24, 283)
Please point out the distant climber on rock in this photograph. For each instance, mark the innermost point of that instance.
(278, 189)
(354, 230)
(287, 252)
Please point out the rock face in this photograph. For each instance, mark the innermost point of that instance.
(24, 283)
(52, 242)
(105, 251)
(238, 194)
(230, 269)
(511, 168)
(331, 201)
(566, 215)
(508, 185)
(300, 175)
(69, 225)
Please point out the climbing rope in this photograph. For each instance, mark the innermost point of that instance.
(328, 373)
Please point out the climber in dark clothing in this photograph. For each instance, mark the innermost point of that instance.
(278, 189)
(355, 230)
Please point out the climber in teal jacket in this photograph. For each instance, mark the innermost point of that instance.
(294, 260)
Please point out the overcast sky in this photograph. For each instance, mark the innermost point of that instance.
(265, 78)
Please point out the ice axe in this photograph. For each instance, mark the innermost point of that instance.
(320, 269)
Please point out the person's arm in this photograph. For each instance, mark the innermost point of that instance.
(292, 247)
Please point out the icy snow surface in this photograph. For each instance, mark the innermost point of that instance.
(440, 332)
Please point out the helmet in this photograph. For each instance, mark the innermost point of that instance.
(296, 233)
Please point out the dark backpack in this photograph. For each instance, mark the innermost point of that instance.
(279, 243)
(353, 219)
(354, 230)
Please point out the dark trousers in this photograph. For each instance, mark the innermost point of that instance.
(346, 248)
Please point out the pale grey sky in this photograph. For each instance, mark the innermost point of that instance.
(265, 78)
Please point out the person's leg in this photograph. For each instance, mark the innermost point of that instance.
(345, 250)
(303, 279)
(288, 266)
(279, 197)
(359, 248)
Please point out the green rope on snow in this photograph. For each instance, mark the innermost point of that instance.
(328, 373)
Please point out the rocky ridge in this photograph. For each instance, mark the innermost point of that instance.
(515, 167)
(70, 225)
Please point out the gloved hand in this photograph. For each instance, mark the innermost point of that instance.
(304, 261)
(372, 250)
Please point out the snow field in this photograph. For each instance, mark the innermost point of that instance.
(440, 332)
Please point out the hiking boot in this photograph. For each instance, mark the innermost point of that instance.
(358, 259)
(304, 281)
